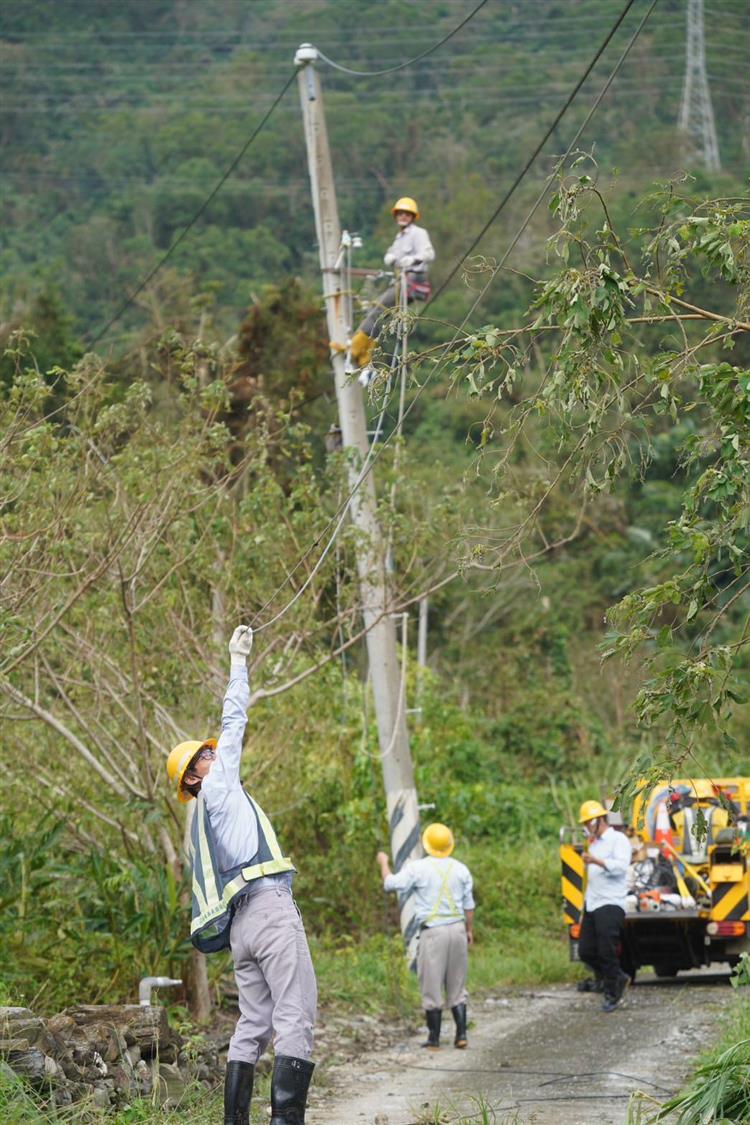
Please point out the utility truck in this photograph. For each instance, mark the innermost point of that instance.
(702, 916)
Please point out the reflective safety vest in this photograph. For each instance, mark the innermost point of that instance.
(214, 890)
(444, 892)
(693, 848)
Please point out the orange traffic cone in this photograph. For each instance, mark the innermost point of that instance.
(663, 829)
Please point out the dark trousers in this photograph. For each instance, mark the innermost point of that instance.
(597, 945)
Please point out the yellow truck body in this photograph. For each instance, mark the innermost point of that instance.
(716, 929)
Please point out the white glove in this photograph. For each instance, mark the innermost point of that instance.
(389, 259)
(240, 645)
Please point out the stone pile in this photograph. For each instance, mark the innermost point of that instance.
(110, 1054)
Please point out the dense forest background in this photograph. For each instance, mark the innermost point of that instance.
(166, 487)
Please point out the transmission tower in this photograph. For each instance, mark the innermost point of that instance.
(696, 119)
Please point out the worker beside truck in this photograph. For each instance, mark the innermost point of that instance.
(697, 816)
(444, 908)
(607, 861)
(242, 899)
(688, 886)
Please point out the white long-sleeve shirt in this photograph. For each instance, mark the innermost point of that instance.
(430, 878)
(231, 815)
(411, 242)
(607, 886)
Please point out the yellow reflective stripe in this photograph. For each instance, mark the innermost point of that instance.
(270, 867)
(257, 871)
(211, 906)
(198, 894)
(267, 830)
(207, 867)
(444, 892)
(247, 875)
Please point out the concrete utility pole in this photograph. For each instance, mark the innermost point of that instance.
(696, 118)
(393, 737)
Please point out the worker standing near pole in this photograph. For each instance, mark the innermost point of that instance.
(607, 862)
(411, 253)
(444, 909)
(242, 899)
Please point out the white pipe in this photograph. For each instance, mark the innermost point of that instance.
(147, 983)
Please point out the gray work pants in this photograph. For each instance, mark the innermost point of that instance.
(275, 978)
(442, 963)
(385, 303)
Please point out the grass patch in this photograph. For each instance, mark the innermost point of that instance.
(371, 975)
(526, 957)
(19, 1105)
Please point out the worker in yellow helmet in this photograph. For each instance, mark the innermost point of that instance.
(697, 816)
(242, 899)
(444, 910)
(607, 862)
(411, 253)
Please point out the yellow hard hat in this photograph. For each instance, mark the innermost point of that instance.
(590, 810)
(702, 789)
(179, 759)
(406, 203)
(437, 840)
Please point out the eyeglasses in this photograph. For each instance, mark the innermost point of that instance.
(206, 754)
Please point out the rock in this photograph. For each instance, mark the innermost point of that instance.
(22, 1027)
(133, 1055)
(99, 1064)
(172, 1085)
(12, 1014)
(143, 1078)
(143, 1027)
(109, 1054)
(101, 1094)
(51, 1068)
(60, 1024)
(28, 1063)
(168, 1053)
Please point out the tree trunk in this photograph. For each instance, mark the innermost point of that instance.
(197, 987)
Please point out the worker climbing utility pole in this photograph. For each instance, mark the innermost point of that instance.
(393, 736)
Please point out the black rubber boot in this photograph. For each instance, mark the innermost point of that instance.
(289, 1085)
(590, 984)
(238, 1090)
(434, 1017)
(459, 1016)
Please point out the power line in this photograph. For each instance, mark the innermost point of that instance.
(511, 190)
(409, 62)
(209, 198)
(367, 468)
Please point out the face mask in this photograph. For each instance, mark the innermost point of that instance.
(591, 829)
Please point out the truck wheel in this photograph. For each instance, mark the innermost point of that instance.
(665, 970)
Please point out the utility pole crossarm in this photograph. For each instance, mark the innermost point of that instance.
(393, 737)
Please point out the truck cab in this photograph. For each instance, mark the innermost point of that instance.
(707, 918)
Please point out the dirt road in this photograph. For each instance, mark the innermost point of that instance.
(550, 1057)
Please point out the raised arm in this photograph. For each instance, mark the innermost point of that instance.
(401, 882)
(226, 768)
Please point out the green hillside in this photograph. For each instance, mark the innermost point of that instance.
(117, 124)
(583, 443)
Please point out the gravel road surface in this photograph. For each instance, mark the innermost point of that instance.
(548, 1056)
